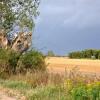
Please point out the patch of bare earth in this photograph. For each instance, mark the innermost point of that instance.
(4, 96)
(7, 94)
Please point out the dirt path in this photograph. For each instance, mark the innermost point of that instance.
(9, 94)
(4, 96)
(60, 64)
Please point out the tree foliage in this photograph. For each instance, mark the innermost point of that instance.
(18, 12)
(50, 54)
(6, 15)
(89, 53)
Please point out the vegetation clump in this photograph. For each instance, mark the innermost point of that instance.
(89, 54)
(51, 54)
(49, 86)
(12, 62)
(31, 61)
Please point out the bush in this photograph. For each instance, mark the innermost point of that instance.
(31, 61)
(99, 56)
(8, 62)
(87, 92)
(12, 62)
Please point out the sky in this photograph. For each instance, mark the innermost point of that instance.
(67, 25)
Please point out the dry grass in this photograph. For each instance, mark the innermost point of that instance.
(59, 64)
(54, 86)
(57, 86)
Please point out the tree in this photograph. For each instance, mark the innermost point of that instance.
(17, 13)
(6, 16)
(50, 53)
(88, 53)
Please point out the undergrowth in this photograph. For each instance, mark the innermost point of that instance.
(50, 86)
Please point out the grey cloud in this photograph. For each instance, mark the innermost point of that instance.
(68, 25)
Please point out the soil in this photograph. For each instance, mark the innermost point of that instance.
(4, 96)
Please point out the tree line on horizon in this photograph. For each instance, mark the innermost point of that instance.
(88, 53)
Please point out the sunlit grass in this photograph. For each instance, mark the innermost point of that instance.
(50, 86)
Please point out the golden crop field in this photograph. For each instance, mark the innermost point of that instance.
(60, 64)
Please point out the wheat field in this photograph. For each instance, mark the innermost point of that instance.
(60, 64)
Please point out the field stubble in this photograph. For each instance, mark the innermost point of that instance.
(61, 64)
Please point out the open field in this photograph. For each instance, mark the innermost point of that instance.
(60, 64)
(55, 86)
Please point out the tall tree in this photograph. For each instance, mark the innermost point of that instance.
(18, 12)
(6, 16)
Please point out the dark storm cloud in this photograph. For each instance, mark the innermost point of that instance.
(67, 25)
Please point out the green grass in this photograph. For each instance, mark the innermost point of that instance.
(49, 93)
(15, 84)
(42, 86)
(38, 93)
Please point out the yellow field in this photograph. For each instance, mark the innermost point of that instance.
(59, 64)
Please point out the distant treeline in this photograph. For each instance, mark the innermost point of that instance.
(88, 53)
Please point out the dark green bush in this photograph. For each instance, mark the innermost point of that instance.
(8, 62)
(31, 61)
(99, 55)
(12, 62)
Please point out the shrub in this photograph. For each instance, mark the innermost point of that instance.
(87, 92)
(99, 56)
(12, 62)
(31, 61)
(8, 62)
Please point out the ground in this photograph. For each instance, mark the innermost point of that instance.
(60, 64)
(4, 96)
(9, 94)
